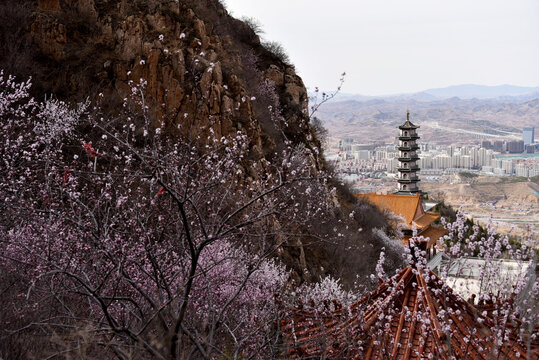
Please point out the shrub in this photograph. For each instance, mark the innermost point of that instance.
(278, 50)
(254, 24)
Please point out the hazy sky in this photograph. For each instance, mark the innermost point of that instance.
(396, 46)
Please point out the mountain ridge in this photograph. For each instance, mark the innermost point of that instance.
(462, 91)
(376, 119)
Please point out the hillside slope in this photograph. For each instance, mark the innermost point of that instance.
(75, 49)
(376, 119)
(199, 65)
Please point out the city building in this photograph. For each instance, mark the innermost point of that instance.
(528, 135)
(508, 166)
(522, 170)
(498, 146)
(515, 147)
(485, 144)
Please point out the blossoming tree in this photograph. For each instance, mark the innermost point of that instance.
(155, 237)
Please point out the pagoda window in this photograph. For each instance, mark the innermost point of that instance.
(406, 143)
(406, 133)
(404, 187)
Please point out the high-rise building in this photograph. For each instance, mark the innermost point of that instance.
(380, 155)
(508, 166)
(455, 162)
(481, 157)
(363, 155)
(392, 165)
(408, 158)
(522, 170)
(474, 154)
(527, 135)
(515, 147)
(466, 162)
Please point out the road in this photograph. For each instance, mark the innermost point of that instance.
(435, 125)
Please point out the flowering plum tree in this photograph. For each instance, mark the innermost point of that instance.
(154, 236)
(507, 291)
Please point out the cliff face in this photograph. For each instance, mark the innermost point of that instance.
(199, 63)
(201, 68)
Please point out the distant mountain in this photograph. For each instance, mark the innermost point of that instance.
(465, 91)
(447, 120)
(470, 91)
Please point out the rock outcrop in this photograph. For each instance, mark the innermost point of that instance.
(201, 69)
(198, 63)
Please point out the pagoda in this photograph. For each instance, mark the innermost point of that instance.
(408, 158)
(407, 202)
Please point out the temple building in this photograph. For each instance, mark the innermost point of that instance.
(411, 214)
(408, 158)
(407, 203)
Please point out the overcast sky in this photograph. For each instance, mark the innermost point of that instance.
(399, 46)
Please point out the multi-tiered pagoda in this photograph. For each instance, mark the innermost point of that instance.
(406, 202)
(408, 158)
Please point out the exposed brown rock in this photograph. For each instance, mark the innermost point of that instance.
(52, 37)
(201, 69)
(191, 58)
(49, 5)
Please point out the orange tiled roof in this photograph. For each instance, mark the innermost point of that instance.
(434, 234)
(408, 207)
(401, 205)
(427, 219)
(414, 315)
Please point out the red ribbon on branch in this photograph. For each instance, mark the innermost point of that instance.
(90, 150)
(66, 176)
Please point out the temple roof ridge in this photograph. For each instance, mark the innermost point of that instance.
(412, 315)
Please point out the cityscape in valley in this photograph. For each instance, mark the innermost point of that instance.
(491, 179)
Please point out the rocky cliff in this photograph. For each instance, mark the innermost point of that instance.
(200, 66)
(199, 63)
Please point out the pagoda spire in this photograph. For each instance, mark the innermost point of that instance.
(408, 158)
